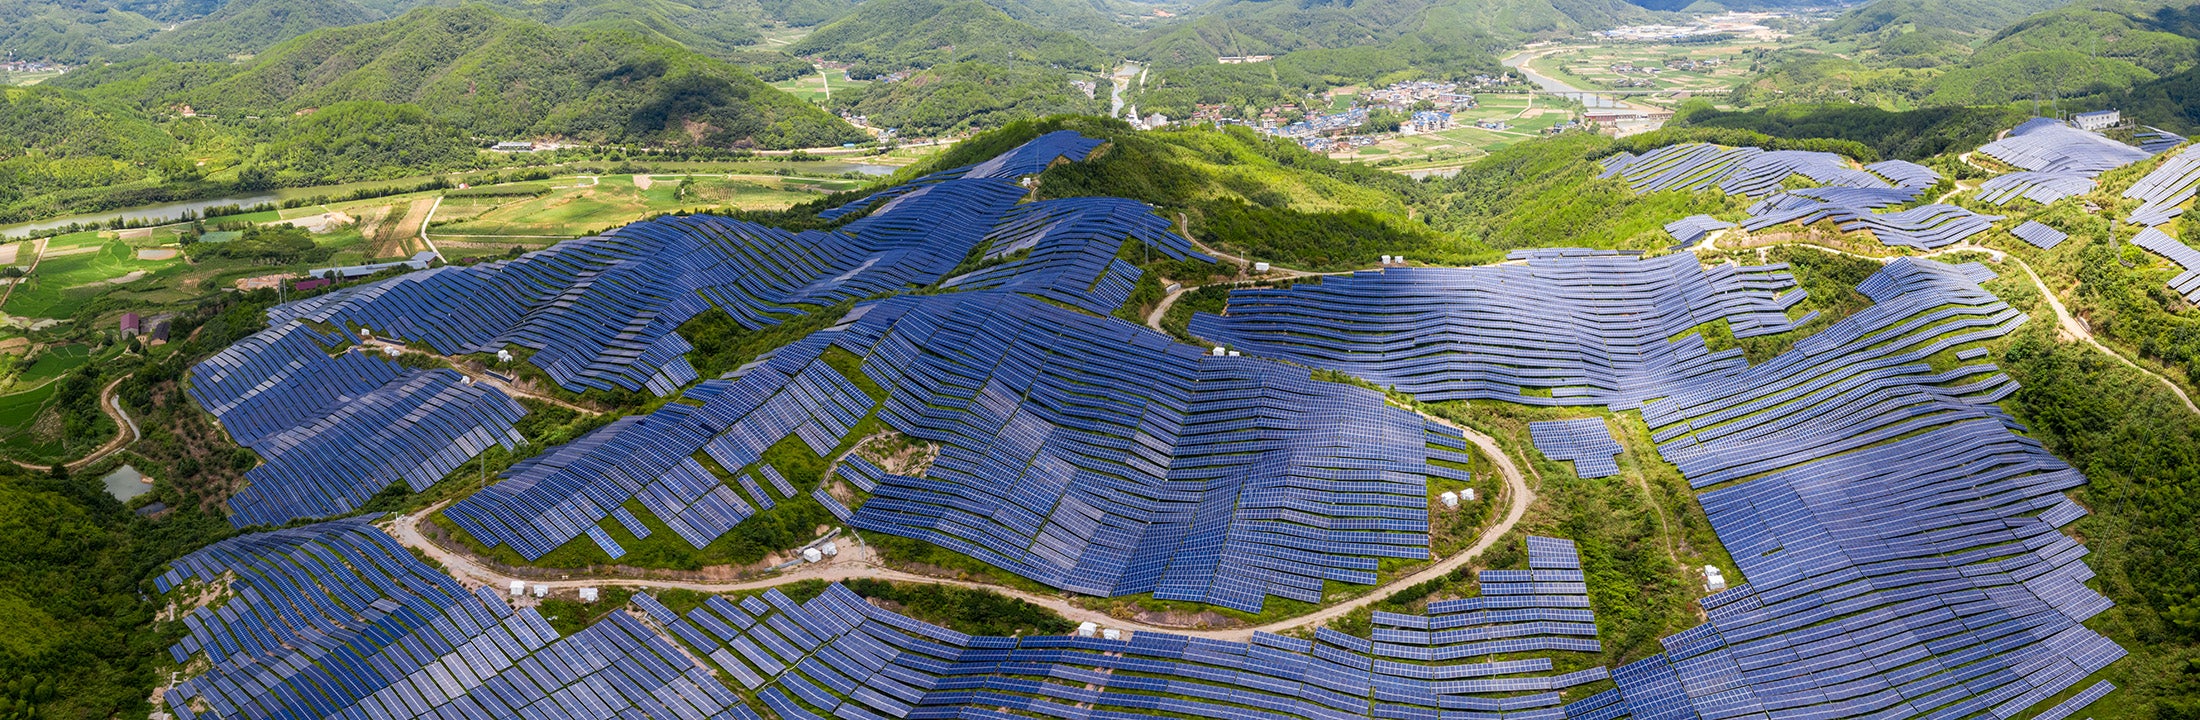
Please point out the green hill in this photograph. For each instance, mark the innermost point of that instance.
(1885, 18)
(54, 140)
(493, 76)
(2098, 52)
(966, 96)
(883, 36)
(1266, 27)
(712, 27)
(66, 32)
(245, 27)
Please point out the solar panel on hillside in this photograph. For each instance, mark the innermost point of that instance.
(1586, 442)
(2040, 236)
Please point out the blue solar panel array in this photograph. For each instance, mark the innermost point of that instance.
(2040, 236)
(1586, 441)
(2186, 283)
(1065, 250)
(1581, 327)
(1029, 158)
(1692, 229)
(2164, 192)
(2057, 161)
(2039, 187)
(1899, 538)
(337, 620)
(548, 500)
(602, 313)
(1099, 456)
(334, 430)
(1848, 197)
(838, 655)
(1925, 227)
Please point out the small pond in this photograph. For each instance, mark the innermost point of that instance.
(126, 482)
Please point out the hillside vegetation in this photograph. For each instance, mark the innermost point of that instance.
(244, 27)
(1254, 27)
(884, 36)
(485, 74)
(53, 140)
(1959, 53)
(1177, 90)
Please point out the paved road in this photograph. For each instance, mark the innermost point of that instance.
(857, 561)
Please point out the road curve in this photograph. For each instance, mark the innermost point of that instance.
(2069, 324)
(860, 562)
(126, 431)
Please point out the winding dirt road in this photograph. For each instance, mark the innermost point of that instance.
(2070, 325)
(858, 561)
(126, 431)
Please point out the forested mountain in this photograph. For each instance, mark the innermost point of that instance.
(1268, 27)
(490, 75)
(883, 36)
(2096, 52)
(245, 27)
(54, 140)
(76, 31)
(66, 32)
(1880, 19)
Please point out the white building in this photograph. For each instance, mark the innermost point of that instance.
(2097, 121)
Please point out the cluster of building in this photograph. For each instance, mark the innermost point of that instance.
(1405, 95)
(1326, 145)
(1750, 25)
(154, 329)
(31, 66)
(1329, 125)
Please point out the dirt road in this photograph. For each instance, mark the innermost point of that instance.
(126, 431)
(858, 561)
(2070, 326)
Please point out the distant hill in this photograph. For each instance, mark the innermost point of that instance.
(493, 76)
(55, 140)
(66, 32)
(75, 31)
(886, 35)
(953, 97)
(245, 27)
(1274, 27)
(1882, 18)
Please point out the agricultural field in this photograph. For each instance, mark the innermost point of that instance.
(818, 87)
(146, 268)
(20, 79)
(1676, 71)
(28, 382)
(1525, 117)
(543, 211)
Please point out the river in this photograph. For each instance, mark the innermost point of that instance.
(1519, 61)
(1121, 80)
(165, 212)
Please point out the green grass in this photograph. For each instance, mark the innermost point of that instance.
(53, 362)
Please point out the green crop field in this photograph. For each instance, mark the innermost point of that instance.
(815, 87)
(1592, 68)
(573, 207)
